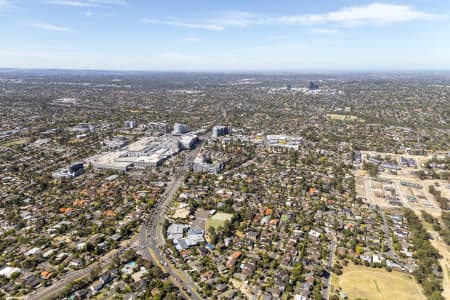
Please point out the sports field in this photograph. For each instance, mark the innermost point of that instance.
(337, 117)
(378, 284)
(218, 220)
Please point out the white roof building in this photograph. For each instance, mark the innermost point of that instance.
(32, 251)
(9, 271)
(175, 231)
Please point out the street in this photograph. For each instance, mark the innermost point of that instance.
(150, 236)
(152, 239)
(326, 290)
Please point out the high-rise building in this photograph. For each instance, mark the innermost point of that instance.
(130, 124)
(179, 128)
(313, 86)
(221, 131)
(160, 127)
(74, 170)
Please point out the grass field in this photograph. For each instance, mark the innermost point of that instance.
(218, 219)
(378, 284)
(75, 141)
(16, 142)
(337, 117)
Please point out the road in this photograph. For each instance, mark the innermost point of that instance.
(387, 234)
(152, 228)
(326, 290)
(58, 287)
(385, 225)
(152, 239)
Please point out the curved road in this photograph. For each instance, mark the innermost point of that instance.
(152, 239)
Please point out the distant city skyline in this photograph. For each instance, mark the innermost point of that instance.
(180, 35)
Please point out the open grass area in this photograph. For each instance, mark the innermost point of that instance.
(16, 142)
(76, 141)
(378, 284)
(218, 219)
(351, 118)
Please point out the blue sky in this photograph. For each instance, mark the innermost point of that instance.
(231, 35)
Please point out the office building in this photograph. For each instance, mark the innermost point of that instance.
(83, 127)
(221, 131)
(188, 142)
(202, 165)
(179, 128)
(73, 170)
(313, 86)
(130, 124)
(159, 127)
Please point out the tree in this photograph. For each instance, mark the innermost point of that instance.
(211, 230)
(115, 262)
(227, 228)
(421, 174)
(436, 295)
(14, 276)
(371, 168)
(94, 273)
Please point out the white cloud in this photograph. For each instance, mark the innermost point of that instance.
(5, 4)
(325, 31)
(372, 14)
(206, 26)
(239, 19)
(88, 13)
(87, 3)
(109, 2)
(70, 3)
(230, 19)
(47, 26)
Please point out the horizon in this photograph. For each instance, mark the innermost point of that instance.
(255, 72)
(175, 36)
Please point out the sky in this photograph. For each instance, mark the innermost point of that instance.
(229, 35)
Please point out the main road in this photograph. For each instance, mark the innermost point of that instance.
(151, 237)
(327, 288)
(59, 286)
(151, 240)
